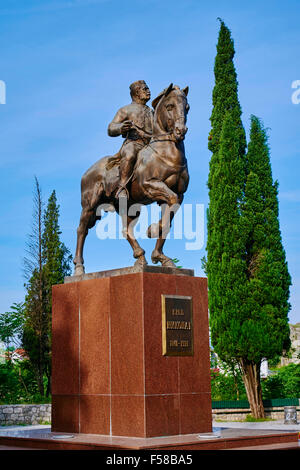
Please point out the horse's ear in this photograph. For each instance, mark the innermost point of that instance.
(169, 89)
(165, 92)
(185, 90)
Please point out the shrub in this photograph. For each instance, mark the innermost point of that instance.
(18, 384)
(227, 386)
(285, 383)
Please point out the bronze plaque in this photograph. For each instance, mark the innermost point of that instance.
(177, 325)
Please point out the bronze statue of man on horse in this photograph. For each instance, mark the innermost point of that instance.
(150, 167)
(135, 123)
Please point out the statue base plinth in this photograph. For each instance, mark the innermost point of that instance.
(130, 270)
(110, 376)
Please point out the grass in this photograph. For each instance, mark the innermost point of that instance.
(48, 423)
(14, 424)
(248, 419)
(251, 419)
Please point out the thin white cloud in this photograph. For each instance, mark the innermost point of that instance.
(291, 196)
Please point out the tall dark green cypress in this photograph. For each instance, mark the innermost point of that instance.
(248, 279)
(56, 256)
(265, 331)
(225, 96)
(56, 265)
(225, 265)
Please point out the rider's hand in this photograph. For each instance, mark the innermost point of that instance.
(126, 126)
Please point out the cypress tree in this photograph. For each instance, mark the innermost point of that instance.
(225, 265)
(49, 262)
(56, 256)
(225, 96)
(56, 265)
(265, 331)
(248, 280)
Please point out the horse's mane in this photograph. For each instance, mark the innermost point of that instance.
(166, 91)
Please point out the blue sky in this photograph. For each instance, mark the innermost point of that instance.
(67, 66)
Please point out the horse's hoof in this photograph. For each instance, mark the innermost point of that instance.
(164, 260)
(155, 259)
(168, 263)
(79, 270)
(141, 261)
(153, 231)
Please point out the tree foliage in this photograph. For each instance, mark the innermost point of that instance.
(248, 279)
(11, 324)
(47, 263)
(268, 279)
(18, 383)
(284, 383)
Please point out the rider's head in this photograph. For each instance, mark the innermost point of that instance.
(140, 92)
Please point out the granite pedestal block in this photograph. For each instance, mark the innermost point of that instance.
(109, 374)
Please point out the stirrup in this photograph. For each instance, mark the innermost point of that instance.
(121, 188)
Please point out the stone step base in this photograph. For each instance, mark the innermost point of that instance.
(230, 439)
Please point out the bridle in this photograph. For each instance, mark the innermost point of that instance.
(167, 136)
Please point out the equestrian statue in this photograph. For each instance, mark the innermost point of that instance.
(150, 167)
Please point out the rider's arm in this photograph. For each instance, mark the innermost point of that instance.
(120, 124)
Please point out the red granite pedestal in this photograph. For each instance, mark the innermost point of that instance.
(114, 389)
(109, 374)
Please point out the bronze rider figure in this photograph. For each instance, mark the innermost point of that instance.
(134, 122)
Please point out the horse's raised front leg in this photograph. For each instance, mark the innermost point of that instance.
(160, 191)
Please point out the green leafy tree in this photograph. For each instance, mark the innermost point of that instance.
(226, 381)
(18, 383)
(285, 383)
(227, 386)
(11, 325)
(47, 264)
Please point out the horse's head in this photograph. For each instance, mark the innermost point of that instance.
(170, 111)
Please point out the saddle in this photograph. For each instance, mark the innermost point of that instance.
(113, 161)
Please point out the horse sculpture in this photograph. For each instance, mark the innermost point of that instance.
(160, 175)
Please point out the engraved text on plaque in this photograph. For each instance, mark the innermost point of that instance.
(177, 325)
